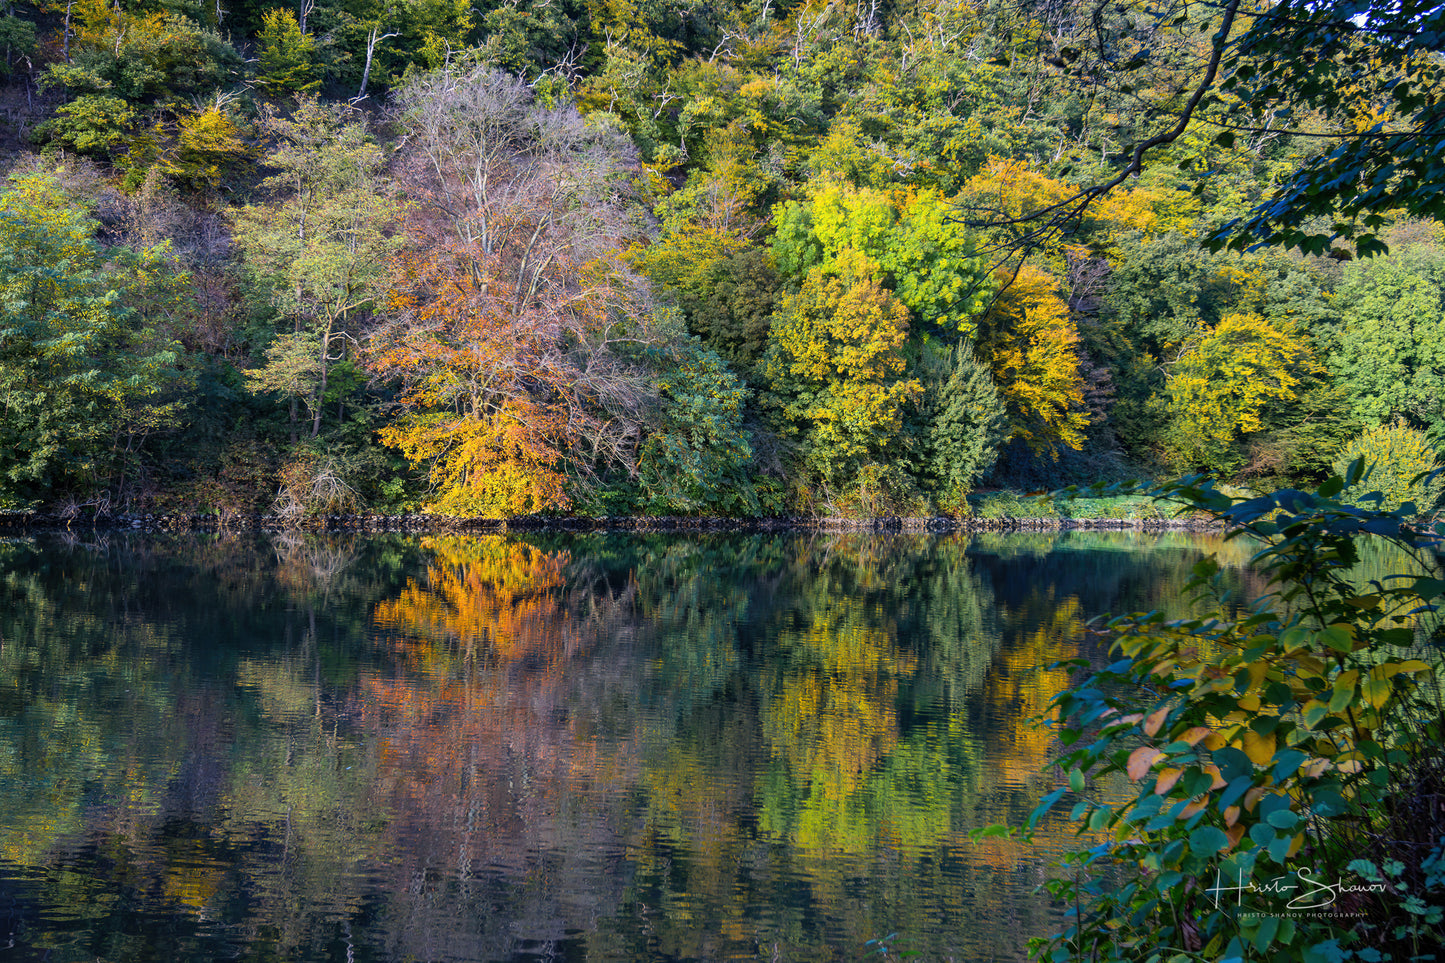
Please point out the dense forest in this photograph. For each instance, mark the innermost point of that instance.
(673, 257)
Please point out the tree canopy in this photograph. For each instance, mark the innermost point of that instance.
(628, 257)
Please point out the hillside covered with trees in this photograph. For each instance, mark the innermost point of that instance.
(617, 257)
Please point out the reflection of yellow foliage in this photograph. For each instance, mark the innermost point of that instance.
(476, 738)
(281, 689)
(1023, 687)
(833, 720)
(836, 721)
(691, 807)
(45, 807)
(30, 836)
(192, 877)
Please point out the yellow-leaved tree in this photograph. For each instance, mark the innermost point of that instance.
(1031, 345)
(837, 361)
(1222, 387)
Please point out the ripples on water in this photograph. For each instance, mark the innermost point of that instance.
(582, 748)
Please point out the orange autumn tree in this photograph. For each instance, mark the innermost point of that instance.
(515, 315)
(494, 401)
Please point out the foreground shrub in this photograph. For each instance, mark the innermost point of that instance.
(314, 483)
(1281, 764)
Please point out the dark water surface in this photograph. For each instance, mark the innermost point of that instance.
(588, 747)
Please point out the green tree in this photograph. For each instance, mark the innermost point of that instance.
(92, 124)
(130, 76)
(320, 251)
(836, 359)
(1389, 352)
(928, 258)
(17, 39)
(935, 266)
(144, 58)
(1164, 290)
(735, 316)
(968, 427)
(693, 457)
(288, 55)
(726, 289)
(83, 374)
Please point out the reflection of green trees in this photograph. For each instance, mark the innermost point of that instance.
(85, 705)
(169, 726)
(635, 746)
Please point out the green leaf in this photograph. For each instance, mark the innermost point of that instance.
(1337, 638)
(1043, 807)
(1287, 763)
(1428, 588)
(1264, 936)
(1207, 841)
(1232, 792)
(990, 832)
(1283, 819)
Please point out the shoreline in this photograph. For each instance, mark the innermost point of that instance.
(424, 524)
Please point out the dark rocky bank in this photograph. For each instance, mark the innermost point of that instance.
(20, 522)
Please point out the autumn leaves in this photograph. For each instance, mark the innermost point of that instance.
(529, 363)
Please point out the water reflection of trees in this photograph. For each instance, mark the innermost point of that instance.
(477, 747)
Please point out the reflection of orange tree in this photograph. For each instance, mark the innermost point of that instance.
(482, 743)
(1042, 629)
(481, 597)
(1021, 685)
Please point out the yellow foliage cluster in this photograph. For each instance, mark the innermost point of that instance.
(842, 335)
(1032, 346)
(1221, 387)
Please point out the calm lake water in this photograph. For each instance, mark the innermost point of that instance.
(590, 747)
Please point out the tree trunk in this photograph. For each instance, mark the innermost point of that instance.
(372, 39)
(320, 399)
(65, 43)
